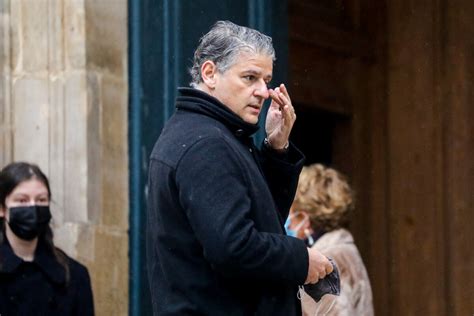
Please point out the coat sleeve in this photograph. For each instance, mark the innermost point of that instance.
(214, 194)
(282, 172)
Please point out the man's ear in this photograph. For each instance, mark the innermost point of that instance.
(2, 211)
(208, 73)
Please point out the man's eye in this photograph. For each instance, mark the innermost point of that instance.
(249, 78)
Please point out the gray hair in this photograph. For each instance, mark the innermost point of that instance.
(223, 43)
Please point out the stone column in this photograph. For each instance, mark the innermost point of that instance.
(63, 105)
(5, 117)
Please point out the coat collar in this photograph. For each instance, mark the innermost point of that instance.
(198, 101)
(335, 237)
(44, 259)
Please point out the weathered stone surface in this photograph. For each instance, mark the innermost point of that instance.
(34, 45)
(114, 152)
(5, 112)
(94, 145)
(31, 121)
(66, 237)
(86, 245)
(75, 34)
(77, 240)
(71, 118)
(15, 36)
(75, 153)
(56, 36)
(110, 272)
(106, 28)
(57, 147)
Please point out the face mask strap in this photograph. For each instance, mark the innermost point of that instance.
(300, 225)
(329, 308)
(302, 293)
(309, 237)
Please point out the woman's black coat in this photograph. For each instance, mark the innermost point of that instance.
(40, 287)
(216, 208)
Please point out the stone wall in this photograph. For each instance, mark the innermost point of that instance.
(63, 105)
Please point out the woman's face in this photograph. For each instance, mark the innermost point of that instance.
(27, 193)
(299, 222)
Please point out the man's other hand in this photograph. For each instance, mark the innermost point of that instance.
(319, 266)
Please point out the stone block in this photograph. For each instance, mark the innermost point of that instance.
(75, 149)
(109, 272)
(94, 147)
(5, 112)
(57, 147)
(4, 33)
(4, 6)
(31, 121)
(56, 36)
(66, 236)
(75, 34)
(107, 36)
(76, 240)
(115, 152)
(86, 243)
(15, 31)
(34, 35)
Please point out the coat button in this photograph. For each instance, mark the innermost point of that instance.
(250, 149)
(239, 132)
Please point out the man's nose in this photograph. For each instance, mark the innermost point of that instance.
(262, 90)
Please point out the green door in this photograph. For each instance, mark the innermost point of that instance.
(162, 38)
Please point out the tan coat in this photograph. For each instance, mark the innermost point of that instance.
(356, 293)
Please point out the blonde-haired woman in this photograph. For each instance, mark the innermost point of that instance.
(320, 216)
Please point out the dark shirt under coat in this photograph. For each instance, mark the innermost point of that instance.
(216, 209)
(39, 287)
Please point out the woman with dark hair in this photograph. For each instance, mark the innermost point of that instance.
(320, 216)
(36, 278)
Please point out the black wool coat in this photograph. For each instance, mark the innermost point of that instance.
(40, 288)
(216, 209)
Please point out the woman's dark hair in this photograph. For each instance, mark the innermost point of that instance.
(17, 172)
(10, 177)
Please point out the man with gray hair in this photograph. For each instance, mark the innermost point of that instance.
(217, 204)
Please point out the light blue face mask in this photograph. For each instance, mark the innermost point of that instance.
(294, 232)
(289, 231)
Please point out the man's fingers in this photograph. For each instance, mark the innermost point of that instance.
(329, 268)
(276, 97)
(285, 92)
(289, 115)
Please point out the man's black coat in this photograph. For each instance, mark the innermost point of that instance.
(216, 209)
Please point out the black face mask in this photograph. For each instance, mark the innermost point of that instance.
(28, 222)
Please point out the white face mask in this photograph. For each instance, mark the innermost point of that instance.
(294, 232)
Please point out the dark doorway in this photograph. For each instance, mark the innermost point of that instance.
(321, 135)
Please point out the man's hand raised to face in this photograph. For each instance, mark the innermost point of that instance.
(280, 118)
